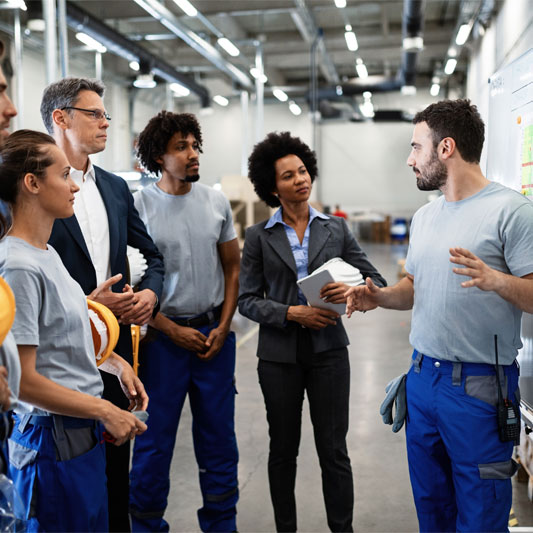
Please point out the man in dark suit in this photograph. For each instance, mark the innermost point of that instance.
(92, 244)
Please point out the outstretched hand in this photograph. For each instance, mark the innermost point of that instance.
(362, 297)
(482, 276)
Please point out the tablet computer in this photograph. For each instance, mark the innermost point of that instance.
(311, 286)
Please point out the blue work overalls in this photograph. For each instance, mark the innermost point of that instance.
(169, 373)
(68, 495)
(460, 471)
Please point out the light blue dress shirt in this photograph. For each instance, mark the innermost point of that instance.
(300, 251)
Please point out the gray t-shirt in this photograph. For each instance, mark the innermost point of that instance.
(187, 229)
(456, 323)
(9, 357)
(52, 315)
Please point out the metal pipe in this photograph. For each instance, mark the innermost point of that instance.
(118, 44)
(314, 85)
(63, 36)
(19, 74)
(260, 93)
(98, 65)
(171, 22)
(244, 132)
(49, 15)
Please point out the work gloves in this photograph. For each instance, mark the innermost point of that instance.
(395, 395)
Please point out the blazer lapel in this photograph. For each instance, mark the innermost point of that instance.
(318, 235)
(74, 229)
(106, 192)
(280, 244)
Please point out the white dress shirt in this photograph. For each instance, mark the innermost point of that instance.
(91, 213)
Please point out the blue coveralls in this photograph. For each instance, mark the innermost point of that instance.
(460, 471)
(169, 373)
(68, 495)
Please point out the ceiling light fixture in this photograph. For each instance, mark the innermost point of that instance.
(220, 100)
(18, 4)
(450, 66)
(258, 75)
(340, 3)
(279, 94)
(462, 34)
(145, 81)
(413, 43)
(179, 90)
(351, 39)
(93, 44)
(361, 69)
(295, 109)
(408, 90)
(186, 7)
(134, 65)
(230, 48)
(434, 90)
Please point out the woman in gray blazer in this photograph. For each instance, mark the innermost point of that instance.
(301, 348)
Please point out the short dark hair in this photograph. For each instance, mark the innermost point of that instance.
(2, 48)
(154, 139)
(458, 119)
(23, 152)
(261, 169)
(65, 93)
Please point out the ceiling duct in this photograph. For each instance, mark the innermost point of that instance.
(412, 25)
(118, 44)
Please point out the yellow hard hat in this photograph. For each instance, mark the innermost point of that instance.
(7, 308)
(105, 330)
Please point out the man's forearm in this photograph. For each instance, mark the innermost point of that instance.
(399, 296)
(517, 291)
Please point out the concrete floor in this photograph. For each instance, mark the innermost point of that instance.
(379, 351)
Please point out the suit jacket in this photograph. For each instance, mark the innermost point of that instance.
(268, 283)
(125, 227)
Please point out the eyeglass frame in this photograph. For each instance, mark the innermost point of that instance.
(104, 114)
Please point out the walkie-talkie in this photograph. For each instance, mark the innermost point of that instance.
(508, 413)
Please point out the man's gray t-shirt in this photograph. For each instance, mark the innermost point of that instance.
(187, 230)
(456, 323)
(52, 315)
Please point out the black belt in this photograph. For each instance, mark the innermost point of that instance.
(205, 319)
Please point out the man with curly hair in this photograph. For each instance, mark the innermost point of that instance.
(192, 350)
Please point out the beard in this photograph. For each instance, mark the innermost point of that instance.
(192, 178)
(433, 175)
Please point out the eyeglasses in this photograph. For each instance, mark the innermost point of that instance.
(97, 114)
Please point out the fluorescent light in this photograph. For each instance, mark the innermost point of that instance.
(351, 41)
(452, 52)
(340, 3)
(18, 3)
(134, 65)
(435, 79)
(256, 73)
(217, 186)
(408, 90)
(295, 109)
(450, 66)
(230, 48)
(220, 100)
(362, 72)
(413, 43)
(186, 7)
(367, 109)
(338, 90)
(435, 88)
(93, 44)
(145, 81)
(280, 95)
(179, 90)
(367, 95)
(462, 34)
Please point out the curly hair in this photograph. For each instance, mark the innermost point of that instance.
(154, 139)
(458, 119)
(261, 169)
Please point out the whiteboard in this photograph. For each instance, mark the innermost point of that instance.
(510, 126)
(510, 161)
